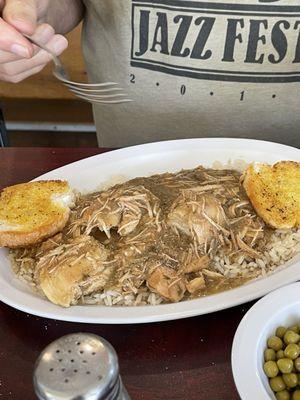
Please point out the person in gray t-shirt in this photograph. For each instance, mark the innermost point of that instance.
(193, 68)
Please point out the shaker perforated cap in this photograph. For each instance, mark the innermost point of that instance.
(78, 366)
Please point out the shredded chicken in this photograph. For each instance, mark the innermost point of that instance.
(73, 269)
(196, 284)
(167, 283)
(199, 216)
(158, 233)
(119, 208)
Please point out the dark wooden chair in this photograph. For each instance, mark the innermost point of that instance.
(3, 132)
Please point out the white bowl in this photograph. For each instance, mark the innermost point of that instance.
(281, 307)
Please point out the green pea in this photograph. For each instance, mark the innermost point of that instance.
(293, 328)
(297, 364)
(296, 395)
(283, 395)
(269, 355)
(277, 384)
(279, 354)
(275, 343)
(271, 369)
(290, 337)
(291, 380)
(280, 331)
(285, 365)
(292, 351)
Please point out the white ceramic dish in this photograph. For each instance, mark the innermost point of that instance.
(89, 174)
(281, 307)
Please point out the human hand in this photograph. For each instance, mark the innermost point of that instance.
(19, 59)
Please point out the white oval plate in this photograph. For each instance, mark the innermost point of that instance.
(144, 160)
(279, 308)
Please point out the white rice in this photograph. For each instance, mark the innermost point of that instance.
(115, 298)
(282, 247)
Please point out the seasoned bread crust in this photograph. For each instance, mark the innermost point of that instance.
(274, 192)
(31, 212)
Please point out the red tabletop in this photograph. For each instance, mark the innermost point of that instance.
(184, 359)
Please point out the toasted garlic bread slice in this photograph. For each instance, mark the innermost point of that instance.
(274, 192)
(31, 212)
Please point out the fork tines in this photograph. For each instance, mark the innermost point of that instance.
(102, 93)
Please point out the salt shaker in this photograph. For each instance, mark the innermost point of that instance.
(80, 366)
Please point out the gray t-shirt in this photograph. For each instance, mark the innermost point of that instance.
(196, 68)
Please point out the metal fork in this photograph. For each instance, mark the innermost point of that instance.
(97, 93)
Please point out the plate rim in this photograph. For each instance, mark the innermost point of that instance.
(166, 143)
